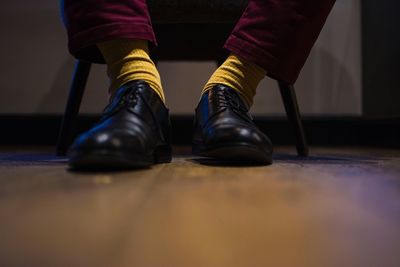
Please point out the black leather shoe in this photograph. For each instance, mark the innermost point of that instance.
(134, 131)
(223, 129)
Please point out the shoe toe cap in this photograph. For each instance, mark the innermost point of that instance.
(114, 139)
(235, 134)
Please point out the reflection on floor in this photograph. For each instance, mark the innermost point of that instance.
(340, 207)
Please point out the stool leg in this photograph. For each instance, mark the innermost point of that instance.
(293, 113)
(77, 88)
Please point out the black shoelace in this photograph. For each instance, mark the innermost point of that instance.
(227, 99)
(122, 99)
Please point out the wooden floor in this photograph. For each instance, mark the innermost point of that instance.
(340, 207)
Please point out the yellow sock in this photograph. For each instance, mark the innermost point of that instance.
(129, 60)
(241, 75)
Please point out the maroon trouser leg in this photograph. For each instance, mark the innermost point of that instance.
(89, 22)
(279, 34)
(275, 34)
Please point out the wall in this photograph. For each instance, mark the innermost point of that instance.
(381, 56)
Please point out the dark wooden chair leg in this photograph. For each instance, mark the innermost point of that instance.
(293, 113)
(67, 129)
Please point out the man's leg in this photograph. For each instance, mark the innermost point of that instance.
(278, 35)
(134, 130)
(90, 22)
(272, 37)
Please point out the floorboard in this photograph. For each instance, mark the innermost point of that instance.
(339, 207)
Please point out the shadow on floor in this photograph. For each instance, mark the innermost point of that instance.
(25, 159)
(293, 159)
(45, 159)
(325, 159)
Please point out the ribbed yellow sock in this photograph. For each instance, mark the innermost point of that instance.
(129, 60)
(239, 74)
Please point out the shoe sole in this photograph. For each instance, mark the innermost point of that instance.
(118, 160)
(241, 153)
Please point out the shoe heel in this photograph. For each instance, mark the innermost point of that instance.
(163, 154)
